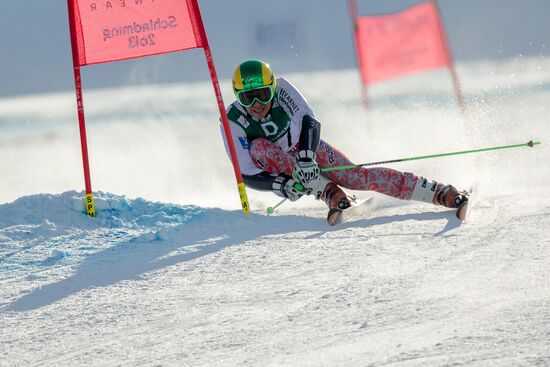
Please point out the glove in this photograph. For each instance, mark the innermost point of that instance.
(306, 169)
(287, 187)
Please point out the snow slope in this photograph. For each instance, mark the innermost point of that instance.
(171, 273)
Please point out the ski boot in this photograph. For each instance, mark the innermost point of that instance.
(439, 194)
(336, 199)
(450, 197)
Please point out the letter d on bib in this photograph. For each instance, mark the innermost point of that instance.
(269, 128)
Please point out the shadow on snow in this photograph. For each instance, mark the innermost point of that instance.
(213, 232)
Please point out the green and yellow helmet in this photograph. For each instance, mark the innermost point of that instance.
(253, 80)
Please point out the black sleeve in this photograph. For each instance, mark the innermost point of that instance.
(262, 181)
(310, 134)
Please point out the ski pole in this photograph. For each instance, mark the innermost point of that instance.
(298, 186)
(271, 209)
(528, 144)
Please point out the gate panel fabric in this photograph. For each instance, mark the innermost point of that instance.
(400, 43)
(112, 30)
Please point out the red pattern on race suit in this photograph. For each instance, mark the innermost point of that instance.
(270, 158)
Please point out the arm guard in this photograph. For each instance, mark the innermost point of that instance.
(262, 181)
(309, 137)
(282, 185)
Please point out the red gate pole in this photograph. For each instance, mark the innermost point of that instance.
(450, 61)
(352, 6)
(90, 206)
(221, 107)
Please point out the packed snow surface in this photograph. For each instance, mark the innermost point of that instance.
(171, 273)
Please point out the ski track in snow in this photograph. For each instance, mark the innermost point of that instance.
(183, 278)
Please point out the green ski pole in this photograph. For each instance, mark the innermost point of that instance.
(528, 144)
(271, 209)
(298, 186)
(531, 144)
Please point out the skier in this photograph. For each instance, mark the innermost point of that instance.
(278, 145)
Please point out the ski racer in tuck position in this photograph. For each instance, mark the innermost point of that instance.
(278, 145)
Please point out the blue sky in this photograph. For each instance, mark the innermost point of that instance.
(302, 35)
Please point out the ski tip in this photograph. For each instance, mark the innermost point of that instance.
(462, 211)
(334, 216)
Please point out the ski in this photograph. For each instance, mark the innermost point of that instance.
(336, 215)
(462, 210)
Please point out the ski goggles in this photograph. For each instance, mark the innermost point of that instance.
(263, 95)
